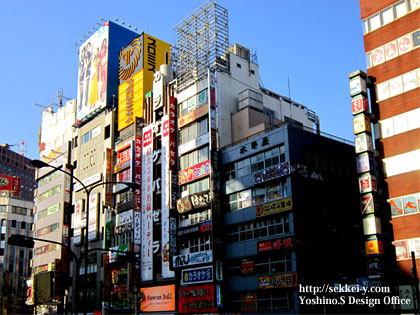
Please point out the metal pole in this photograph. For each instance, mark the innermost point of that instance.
(87, 244)
(416, 282)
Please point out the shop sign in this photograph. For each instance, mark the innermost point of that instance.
(146, 209)
(158, 299)
(113, 256)
(108, 177)
(357, 86)
(137, 172)
(267, 174)
(277, 244)
(374, 266)
(359, 104)
(194, 172)
(188, 230)
(368, 204)
(367, 183)
(10, 183)
(137, 227)
(124, 228)
(277, 281)
(125, 217)
(205, 227)
(247, 267)
(401, 249)
(197, 299)
(88, 181)
(361, 123)
(197, 275)
(374, 247)
(365, 163)
(363, 143)
(371, 225)
(274, 207)
(195, 143)
(193, 259)
(249, 302)
(190, 117)
(194, 201)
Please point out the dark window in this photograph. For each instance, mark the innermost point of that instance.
(23, 225)
(252, 72)
(14, 223)
(107, 132)
(239, 65)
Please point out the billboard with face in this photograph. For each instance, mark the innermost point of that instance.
(93, 73)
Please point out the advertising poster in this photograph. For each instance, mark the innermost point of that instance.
(197, 299)
(93, 72)
(10, 183)
(147, 206)
(158, 299)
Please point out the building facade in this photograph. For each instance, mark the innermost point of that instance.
(391, 38)
(16, 208)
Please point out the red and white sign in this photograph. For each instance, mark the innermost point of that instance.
(197, 299)
(137, 173)
(359, 104)
(10, 183)
(404, 44)
(391, 50)
(367, 183)
(378, 56)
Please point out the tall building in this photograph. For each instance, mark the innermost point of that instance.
(52, 209)
(16, 207)
(392, 39)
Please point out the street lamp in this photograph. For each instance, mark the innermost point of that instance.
(88, 189)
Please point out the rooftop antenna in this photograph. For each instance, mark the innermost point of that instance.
(60, 97)
(288, 83)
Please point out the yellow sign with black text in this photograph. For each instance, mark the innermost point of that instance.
(274, 207)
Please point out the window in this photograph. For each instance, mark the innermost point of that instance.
(240, 200)
(196, 244)
(405, 205)
(196, 187)
(49, 193)
(194, 158)
(107, 132)
(387, 16)
(192, 131)
(49, 178)
(193, 103)
(400, 9)
(252, 71)
(14, 223)
(257, 229)
(194, 218)
(3, 208)
(239, 65)
(374, 22)
(23, 225)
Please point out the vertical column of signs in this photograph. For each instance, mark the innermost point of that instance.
(366, 169)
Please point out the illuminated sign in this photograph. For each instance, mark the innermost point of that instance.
(123, 160)
(194, 172)
(278, 281)
(138, 63)
(108, 177)
(401, 249)
(10, 183)
(197, 299)
(193, 259)
(357, 85)
(131, 59)
(197, 275)
(274, 207)
(267, 174)
(190, 117)
(93, 74)
(374, 247)
(93, 215)
(158, 299)
(249, 302)
(194, 201)
(277, 244)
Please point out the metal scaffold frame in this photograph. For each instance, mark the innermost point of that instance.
(202, 42)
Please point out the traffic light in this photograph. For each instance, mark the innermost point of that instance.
(20, 240)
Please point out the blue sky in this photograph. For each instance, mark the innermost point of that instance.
(313, 43)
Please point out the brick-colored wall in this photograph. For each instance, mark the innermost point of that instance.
(402, 143)
(369, 7)
(404, 184)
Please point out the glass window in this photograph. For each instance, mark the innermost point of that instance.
(374, 22)
(365, 26)
(416, 38)
(257, 162)
(243, 167)
(400, 9)
(368, 60)
(387, 16)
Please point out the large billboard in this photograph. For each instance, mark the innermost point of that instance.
(98, 69)
(139, 60)
(158, 299)
(93, 73)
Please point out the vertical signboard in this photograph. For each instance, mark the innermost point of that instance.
(93, 216)
(166, 197)
(147, 205)
(108, 177)
(93, 74)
